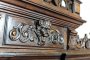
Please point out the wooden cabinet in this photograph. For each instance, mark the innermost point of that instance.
(37, 30)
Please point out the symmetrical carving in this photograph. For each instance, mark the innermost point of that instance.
(40, 30)
(26, 29)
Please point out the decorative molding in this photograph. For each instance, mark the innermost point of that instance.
(53, 10)
(39, 33)
(11, 9)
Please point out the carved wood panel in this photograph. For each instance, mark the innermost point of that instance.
(27, 32)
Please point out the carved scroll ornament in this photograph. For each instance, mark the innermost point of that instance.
(21, 32)
(56, 37)
(40, 31)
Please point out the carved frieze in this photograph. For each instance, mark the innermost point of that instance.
(38, 33)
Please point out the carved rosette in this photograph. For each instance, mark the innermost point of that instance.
(21, 32)
(14, 34)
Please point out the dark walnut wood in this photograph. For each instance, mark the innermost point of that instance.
(40, 30)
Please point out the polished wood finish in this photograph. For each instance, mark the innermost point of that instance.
(27, 11)
(61, 14)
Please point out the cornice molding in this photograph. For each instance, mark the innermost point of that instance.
(60, 11)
